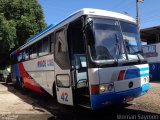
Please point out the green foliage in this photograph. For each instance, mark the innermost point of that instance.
(7, 37)
(19, 20)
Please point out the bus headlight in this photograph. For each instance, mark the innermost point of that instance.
(106, 87)
(103, 88)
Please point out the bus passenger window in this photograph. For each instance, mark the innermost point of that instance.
(45, 46)
(52, 43)
(61, 49)
(33, 51)
(40, 48)
(19, 57)
(26, 55)
(23, 55)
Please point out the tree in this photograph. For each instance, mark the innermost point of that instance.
(7, 37)
(19, 20)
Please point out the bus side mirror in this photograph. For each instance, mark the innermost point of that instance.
(89, 34)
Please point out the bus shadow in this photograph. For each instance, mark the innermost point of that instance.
(108, 113)
(155, 82)
(30, 97)
(63, 112)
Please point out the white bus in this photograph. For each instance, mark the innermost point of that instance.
(92, 58)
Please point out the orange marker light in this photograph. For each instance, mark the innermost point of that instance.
(121, 75)
(94, 89)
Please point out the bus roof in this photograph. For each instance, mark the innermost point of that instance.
(72, 17)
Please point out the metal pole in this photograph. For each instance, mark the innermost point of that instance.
(137, 18)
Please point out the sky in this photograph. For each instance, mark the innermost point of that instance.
(57, 10)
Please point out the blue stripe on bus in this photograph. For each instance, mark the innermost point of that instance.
(16, 70)
(146, 87)
(134, 73)
(101, 100)
(143, 69)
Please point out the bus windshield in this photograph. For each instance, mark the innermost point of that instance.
(131, 38)
(115, 41)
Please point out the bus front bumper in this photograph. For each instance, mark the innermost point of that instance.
(102, 100)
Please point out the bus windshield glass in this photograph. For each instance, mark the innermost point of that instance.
(115, 41)
(132, 40)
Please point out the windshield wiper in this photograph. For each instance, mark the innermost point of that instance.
(117, 49)
(134, 52)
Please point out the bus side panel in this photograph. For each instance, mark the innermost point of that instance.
(41, 73)
(29, 82)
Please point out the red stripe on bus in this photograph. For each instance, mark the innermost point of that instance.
(28, 81)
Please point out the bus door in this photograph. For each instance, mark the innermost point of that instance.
(62, 69)
(78, 57)
(81, 80)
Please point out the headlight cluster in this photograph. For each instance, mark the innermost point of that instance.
(106, 88)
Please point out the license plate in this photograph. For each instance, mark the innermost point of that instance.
(129, 98)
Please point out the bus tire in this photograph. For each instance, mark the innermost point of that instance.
(17, 84)
(22, 87)
(20, 84)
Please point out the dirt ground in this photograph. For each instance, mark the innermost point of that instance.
(150, 102)
(15, 106)
(18, 105)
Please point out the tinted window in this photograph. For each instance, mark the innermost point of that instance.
(105, 36)
(23, 55)
(61, 50)
(26, 54)
(62, 81)
(43, 46)
(33, 51)
(40, 48)
(128, 27)
(20, 57)
(46, 46)
(52, 43)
